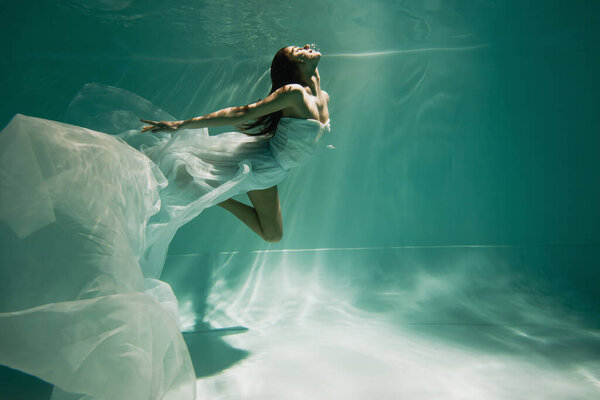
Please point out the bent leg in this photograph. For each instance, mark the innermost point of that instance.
(268, 208)
(264, 218)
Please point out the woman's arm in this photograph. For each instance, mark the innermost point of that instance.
(284, 97)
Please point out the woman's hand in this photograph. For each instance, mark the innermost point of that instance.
(157, 126)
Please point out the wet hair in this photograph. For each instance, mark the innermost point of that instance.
(284, 70)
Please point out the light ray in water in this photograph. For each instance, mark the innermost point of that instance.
(451, 246)
(409, 51)
(173, 60)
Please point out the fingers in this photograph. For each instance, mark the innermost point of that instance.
(156, 126)
(151, 128)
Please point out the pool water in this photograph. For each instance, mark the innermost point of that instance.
(445, 245)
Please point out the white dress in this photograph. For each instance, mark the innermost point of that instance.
(85, 225)
(205, 170)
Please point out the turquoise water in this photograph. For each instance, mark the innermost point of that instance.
(447, 247)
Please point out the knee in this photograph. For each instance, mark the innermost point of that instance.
(273, 236)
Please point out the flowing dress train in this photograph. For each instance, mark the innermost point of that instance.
(86, 219)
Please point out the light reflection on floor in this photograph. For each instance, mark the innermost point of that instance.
(418, 323)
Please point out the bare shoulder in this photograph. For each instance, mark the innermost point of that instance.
(294, 92)
(325, 94)
(286, 97)
(292, 87)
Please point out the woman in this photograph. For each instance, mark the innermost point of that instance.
(295, 93)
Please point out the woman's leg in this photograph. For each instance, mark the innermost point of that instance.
(264, 218)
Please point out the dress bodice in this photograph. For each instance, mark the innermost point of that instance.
(296, 139)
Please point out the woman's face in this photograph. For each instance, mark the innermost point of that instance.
(304, 54)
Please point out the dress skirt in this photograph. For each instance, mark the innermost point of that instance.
(86, 219)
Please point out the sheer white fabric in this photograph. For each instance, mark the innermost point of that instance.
(86, 221)
(75, 309)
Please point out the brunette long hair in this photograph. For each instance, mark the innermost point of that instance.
(284, 71)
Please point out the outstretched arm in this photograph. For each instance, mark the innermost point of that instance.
(289, 96)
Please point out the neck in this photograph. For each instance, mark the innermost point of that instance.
(313, 81)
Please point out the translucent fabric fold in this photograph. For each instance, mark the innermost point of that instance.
(75, 309)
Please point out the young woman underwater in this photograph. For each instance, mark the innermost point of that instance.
(292, 117)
